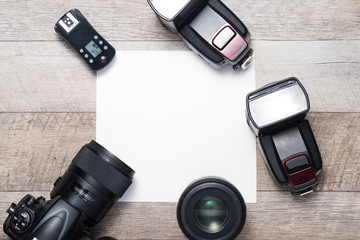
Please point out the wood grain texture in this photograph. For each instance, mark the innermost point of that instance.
(50, 82)
(277, 215)
(134, 20)
(38, 147)
(52, 79)
(329, 70)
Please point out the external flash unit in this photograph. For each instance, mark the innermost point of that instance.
(276, 114)
(209, 28)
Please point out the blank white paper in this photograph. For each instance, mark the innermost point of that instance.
(174, 119)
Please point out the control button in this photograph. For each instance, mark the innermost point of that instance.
(96, 36)
(11, 209)
(21, 220)
(91, 61)
(15, 219)
(81, 50)
(57, 181)
(105, 47)
(41, 200)
(103, 59)
(86, 55)
(24, 215)
(223, 38)
(297, 164)
(101, 42)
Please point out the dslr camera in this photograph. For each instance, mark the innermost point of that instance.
(80, 199)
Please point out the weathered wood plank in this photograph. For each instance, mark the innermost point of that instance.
(134, 20)
(329, 70)
(276, 215)
(57, 80)
(36, 148)
(52, 79)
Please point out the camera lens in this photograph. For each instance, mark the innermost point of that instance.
(211, 208)
(211, 214)
(94, 181)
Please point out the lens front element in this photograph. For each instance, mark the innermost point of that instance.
(211, 213)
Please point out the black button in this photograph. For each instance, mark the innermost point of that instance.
(21, 220)
(223, 37)
(297, 164)
(24, 215)
(15, 219)
(103, 59)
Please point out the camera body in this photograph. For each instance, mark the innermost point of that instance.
(80, 199)
(209, 28)
(276, 114)
(35, 218)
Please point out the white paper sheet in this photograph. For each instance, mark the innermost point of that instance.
(174, 119)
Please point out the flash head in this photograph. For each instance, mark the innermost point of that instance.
(276, 105)
(175, 14)
(209, 28)
(276, 114)
(211, 208)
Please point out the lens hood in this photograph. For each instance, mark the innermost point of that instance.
(110, 158)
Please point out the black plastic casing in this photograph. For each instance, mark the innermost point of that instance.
(81, 35)
(273, 161)
(181, 25)
(286, 139)
(55, 219)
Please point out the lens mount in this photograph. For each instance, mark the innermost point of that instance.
(211, 208)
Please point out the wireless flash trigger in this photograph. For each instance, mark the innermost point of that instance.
(78, 32)
(276, 115)
(209, 28)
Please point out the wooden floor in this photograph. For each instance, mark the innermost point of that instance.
(48, 99)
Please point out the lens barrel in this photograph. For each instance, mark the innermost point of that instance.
(211, 208)
(94, 181)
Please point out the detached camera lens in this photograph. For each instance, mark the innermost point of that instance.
(211, 208)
